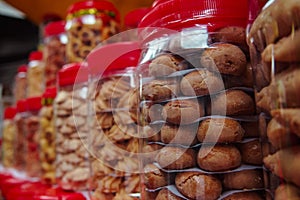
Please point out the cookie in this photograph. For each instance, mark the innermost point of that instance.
(154, 177)
(232, 103)
(245, 179)
(219, 157)
(166, 64)
(183, 111)
(201, 82)
(166, 194)
(173, 158)
(220, 130)
(244, 196)
(196, 185)
(224, 58)
(251, 152)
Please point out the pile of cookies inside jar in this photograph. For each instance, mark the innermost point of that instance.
(197, 116)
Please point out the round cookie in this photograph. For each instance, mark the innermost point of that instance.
(244, 196)
(220, 130)
(196, 185)
(201, 82)
(252, 152)
(154, 177)
(166, 194)
(224, 58)
(173, 158)
(184, 111)
(245, 179)
(232, 103)
(166, 64)
(218, 158)
(184, 134)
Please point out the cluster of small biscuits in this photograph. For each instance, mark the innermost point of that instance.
(47, 144)
(198, 112)
(8, 143)
(72, 163)
(115, 146)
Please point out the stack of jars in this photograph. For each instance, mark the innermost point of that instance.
(197, 103)
(114, 131)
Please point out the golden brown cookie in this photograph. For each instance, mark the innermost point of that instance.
(219, 157)
(196, 185)
(220, 130)
(176, 158)
(224, 58)
(244, 196)
(166, 194)
(154, 177)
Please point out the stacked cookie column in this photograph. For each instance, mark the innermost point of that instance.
(197, 109)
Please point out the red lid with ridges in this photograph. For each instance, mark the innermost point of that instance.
(72, 73)
(23, 68)
(22, 106)
(54, 28)
(50, 93)
(34, 103)
(35, 55)
(118, 56)
(10, 112)
(133, 18)
(98, 4)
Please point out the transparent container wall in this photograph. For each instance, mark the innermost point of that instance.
(197, 117)
(72, 163)
(114, 137)
(8, 143)
(20, 147)
(35, 78)
(275, 62)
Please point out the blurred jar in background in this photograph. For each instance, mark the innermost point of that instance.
(20, 84)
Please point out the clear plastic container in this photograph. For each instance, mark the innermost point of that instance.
(22, 113)
(47, 137)
(35, 74)
(9, 137)
(54, 51)
(20, 84)
(197, 106)
(71, 126)
(114, 136)
(275, 62)
(32, 124)
(88, 24)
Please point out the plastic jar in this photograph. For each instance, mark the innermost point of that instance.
(20, 84)
(197, 111)
(72, 164)
(33, 165)
(275, 63)
(88, 24)
(47, 137)
(9, 137)
(35, 74)
(22, 113)
(54, 51)
(113, 97)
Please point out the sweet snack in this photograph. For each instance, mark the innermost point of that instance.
(166, 194)
(154, 177)
(159, 90)
(244, 196)
(251, 152)
(287, 191)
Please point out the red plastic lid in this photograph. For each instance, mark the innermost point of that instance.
(54, 28)
(98, 4)
(9, 184)
(23, 68)
(26, 191)
(157, 2)
(22, 106)
(35, 55)
(50, 93)
(72, 73)
(10, 112)
(34, 103)
(58, 194)
(179, 14)
(133, 18)
(113, 57)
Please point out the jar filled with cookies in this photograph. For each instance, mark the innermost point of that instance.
(35, 74)
(276, 68)
(20, 83)
(197, 110)
(47, 137)
(71, 126)
(32, 123)
(114, 132)
(89, 23)
(54, 51)
(9, 137)
(20, 151)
